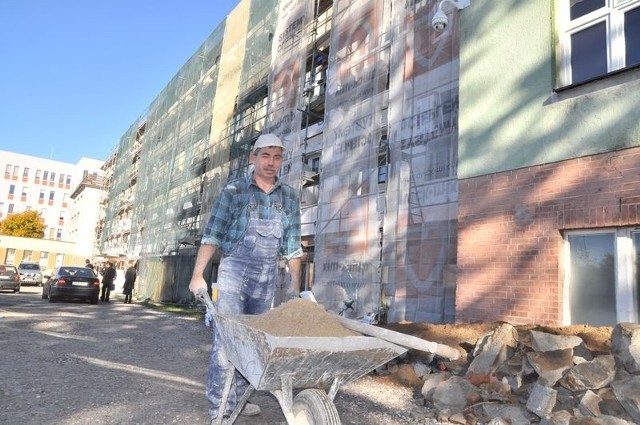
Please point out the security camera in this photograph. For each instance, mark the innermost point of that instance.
(439, 21)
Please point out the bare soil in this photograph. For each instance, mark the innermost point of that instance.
(72, 363)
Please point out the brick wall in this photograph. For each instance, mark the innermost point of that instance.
(510, 225)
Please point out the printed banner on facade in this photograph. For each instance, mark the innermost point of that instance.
(347, 250)
(420, 224)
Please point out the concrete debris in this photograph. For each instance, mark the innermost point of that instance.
(548, 379)
(625, 346)
(592, 375)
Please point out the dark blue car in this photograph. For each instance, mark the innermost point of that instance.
(72, 283)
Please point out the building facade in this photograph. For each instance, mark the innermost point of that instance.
(365, 96)
(46, 186)
(484, 172)
(549, 159)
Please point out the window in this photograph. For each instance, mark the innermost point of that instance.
(41, 197)
(27, 255)
(25, 174)
(7, 171)
(68, 181)
(10, 209)
(61, 181)
(38, 176)
(25, 189)
(44, 259)
(16, 171)
(65, 200)
(597, 37)
(11, 256)
(12, 189)
(603, 277)
(45, 176)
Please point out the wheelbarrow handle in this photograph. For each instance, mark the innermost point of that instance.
(203, 296)
(404, 340)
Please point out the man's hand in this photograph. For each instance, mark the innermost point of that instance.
(196, 283)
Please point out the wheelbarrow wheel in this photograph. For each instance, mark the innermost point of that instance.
(314, 407)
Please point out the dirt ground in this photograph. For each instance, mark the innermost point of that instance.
(597, 339)
(71, 363)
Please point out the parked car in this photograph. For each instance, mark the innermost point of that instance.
(9, 278)
(30, 273)
(71, 282)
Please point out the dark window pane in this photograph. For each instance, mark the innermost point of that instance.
(589, 53)
(582, 7)
(632, 36)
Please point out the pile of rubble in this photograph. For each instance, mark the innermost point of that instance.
(545, 378)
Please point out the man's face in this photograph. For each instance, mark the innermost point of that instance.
(267, 163)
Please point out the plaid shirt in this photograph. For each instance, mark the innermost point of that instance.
(230, 215)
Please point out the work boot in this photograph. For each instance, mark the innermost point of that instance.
(250, 410)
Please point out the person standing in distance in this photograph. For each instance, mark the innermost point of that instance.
(254, 221)
(108, 276)
(129, 282)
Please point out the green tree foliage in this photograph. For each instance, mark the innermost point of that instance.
(28, 224)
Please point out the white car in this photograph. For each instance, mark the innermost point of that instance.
(30, 273)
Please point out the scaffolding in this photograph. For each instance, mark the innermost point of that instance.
(364, 94)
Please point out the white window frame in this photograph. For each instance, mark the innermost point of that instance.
(626, 308)
(612, 14)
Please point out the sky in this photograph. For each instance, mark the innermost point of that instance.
(76, 74)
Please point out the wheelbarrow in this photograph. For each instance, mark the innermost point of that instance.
(317, 366)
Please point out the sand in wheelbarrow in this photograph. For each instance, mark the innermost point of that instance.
(299, 318)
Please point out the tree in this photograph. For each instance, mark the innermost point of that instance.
(28, 224)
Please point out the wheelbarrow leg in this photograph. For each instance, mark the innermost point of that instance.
(240, 405)
(225, 394)
(339, 380)
(285, 396)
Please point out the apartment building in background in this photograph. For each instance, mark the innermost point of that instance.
(48, 186)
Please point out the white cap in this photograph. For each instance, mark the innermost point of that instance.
(267, 140)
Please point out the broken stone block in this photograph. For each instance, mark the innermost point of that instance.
(610, 405)
(541, 400)
(510, 413)
(590, 404)
(592, 375)
(582, 354)
(454, 394)
(493, 350)
(542, 341)
(561, 417)
(627, 392)
(551, 365)
(625, 346)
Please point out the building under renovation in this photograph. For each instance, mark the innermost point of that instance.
(365, 96)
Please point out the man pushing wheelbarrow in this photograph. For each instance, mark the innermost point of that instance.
(254, 222)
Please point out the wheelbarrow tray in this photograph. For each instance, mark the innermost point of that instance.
(311, 362)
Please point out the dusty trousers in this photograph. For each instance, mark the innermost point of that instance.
(246, 285)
